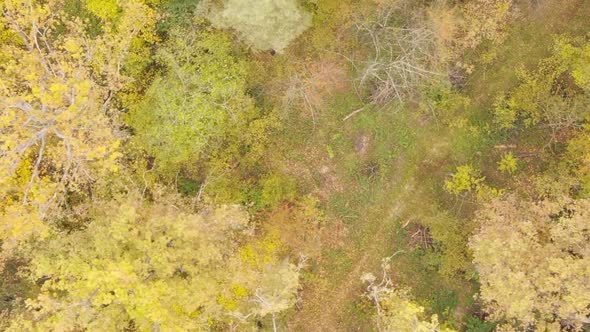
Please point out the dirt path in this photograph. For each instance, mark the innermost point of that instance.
(328, 303)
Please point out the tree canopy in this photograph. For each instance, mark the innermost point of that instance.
(199, 109)
(244, 165)
(532, 259)
(57, 83)
(152, 266)
(267, 24)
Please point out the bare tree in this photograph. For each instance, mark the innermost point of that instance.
(403, 55)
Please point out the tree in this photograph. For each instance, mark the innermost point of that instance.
(272, 282)
(56, 84)
(468, 180)
(403, 54)
(483, 20)
(533, 259)
(554, 94)
(396, 312)
(198, 109)
(156, 266)
(574, 54)
(266, 24)
(578, 162)
(508, 163)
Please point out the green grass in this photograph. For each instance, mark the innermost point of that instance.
(399, 178)
(373, 206)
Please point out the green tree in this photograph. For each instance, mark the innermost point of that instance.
(277, 188)
(533, 261)
(198, 109)
(574, 54)
(554, 94)
(468, 179)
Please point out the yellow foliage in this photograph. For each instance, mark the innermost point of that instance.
(105, 9)
(508, 163)
(239, 291)
(398, 313)
(55, 131)
(156, 264)
(532, 258)
(261, 252)
(466, 179)
(484, 20)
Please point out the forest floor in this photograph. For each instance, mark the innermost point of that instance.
(381, 173)
(376, 164)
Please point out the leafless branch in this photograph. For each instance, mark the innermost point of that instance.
(402, 58)
(35, 169)
(354, 113)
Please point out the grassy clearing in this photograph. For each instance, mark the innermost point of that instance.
(375, 165)
(380, 174)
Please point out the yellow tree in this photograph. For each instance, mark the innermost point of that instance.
(156, 267)
(56, 83)
(534, 261)
(484, 20)
(395, 309)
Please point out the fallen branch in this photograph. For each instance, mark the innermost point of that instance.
(354, 113)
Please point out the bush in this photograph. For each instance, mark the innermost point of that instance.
(267, 24)
(277, 188)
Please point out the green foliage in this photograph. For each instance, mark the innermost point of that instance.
(187, 186)
(505, 114)
(267, 24)
(177, 13)
(550, 94)
(444, 103)
(444, 301)
(82, 250)
(230, 188)
(532, 101)
(575, 55)
(277, 188)
(469, 180)
(450, 235)
(474, 324)
(198, 109)
(327, 17)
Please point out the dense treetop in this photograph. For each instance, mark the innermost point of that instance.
(294, 165)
